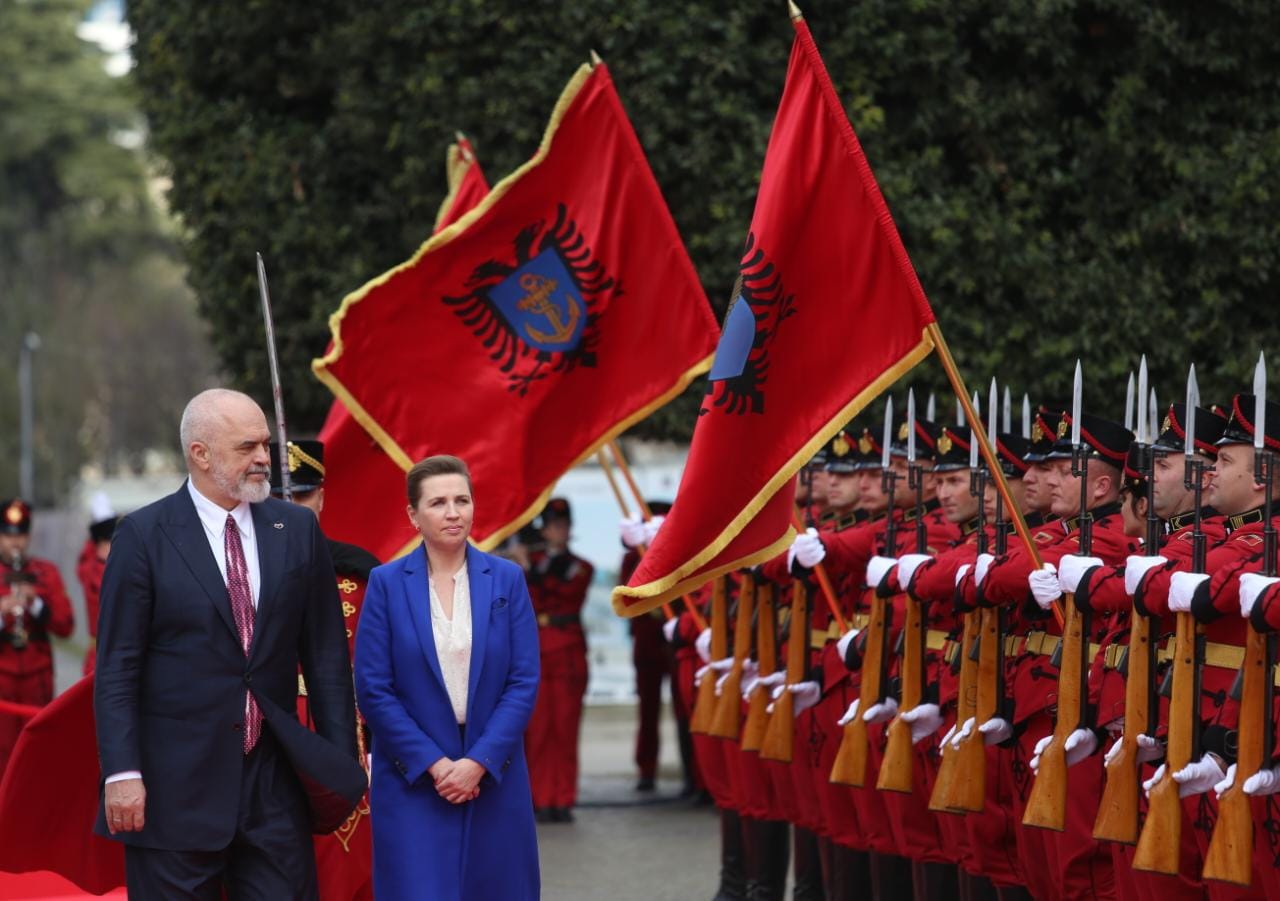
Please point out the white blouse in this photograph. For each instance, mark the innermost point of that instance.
(453, 641)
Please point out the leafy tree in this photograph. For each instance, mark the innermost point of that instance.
(1071, 178)
(86, 260)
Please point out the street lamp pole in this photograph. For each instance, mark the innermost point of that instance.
(27, 467)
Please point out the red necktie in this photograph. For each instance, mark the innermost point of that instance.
(242, 609)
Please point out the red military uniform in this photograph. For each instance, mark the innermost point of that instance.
(26, 658)
(651, 657)
(89, 570)
(558, 586)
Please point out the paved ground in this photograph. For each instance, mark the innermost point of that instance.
(624, 846)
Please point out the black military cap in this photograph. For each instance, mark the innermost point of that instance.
(1240, 428)
(952, 449)
(16, 519)
(1044, 431)
(1134, 480)
(556, 509)
(1104, 440)
(842, 453)
(1012, 450)
(926, 440)
(819, 460)
(870, 453)
(659, 508)
(306, 465)
(1173, 432)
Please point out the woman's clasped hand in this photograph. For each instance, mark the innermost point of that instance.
(457, 781)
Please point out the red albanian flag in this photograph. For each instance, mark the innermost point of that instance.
(49, 798)
(827, 313)
(364, 501)
(557, 313)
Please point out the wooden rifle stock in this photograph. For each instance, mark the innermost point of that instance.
(1047, 805)
(969, 788)
(767, 660)
(704, 707)
(1230, 854)
(966, 696)
(1158, 844)
(896, 767)
(780, 733)
(850, 767)
(727, 721)
(1117, 819)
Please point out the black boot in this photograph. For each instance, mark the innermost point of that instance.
(976, 888)
(807, 867)
(890, 877)
(934, 881)
(733, 873)
(768, 854)
(1014, 893)
(850, 877)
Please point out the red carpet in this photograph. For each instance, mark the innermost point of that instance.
(44, 886)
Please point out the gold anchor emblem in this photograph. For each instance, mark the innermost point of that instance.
(538, 300)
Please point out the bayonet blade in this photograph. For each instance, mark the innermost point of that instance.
(1260, 401)
(1153, 415)
(1026, 417)
(931, 408)
(1193, 401)
(1008, 411)
(1140, 424)
(1128, 404)
(277, 393)
(1077, 394)
(911, 425)
(888, 432)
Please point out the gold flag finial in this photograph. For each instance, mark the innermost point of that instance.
(794, 11)
(595, 59)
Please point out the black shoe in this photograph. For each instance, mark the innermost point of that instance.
(688, 791)
(645, 785)
(561, 815)
(703, 799)
(544, 815)
(733, 873)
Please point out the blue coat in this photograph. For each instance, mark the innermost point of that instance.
(425, 848)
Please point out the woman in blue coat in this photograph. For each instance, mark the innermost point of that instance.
(446, 676)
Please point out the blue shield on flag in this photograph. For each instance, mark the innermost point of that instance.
(736, 341)
(542, 303)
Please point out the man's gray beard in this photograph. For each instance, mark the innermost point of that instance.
(242, 490)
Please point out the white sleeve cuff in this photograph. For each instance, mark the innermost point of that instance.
(120, 777)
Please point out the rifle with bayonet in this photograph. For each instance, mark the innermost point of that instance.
(1047, 804)
(780, 733)
(850, 767)
(704, 706)
(1158, 845)
(727, 721)
(896, 767)
(1117, 819)
(767, 663)
(1230, 854)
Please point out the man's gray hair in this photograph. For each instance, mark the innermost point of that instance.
(201, 417)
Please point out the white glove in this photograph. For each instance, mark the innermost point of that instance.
(949, 738)
(632, 529)
(1198, 777)
(1227, 781)
(807, 549)
(669, 628)
(849, 714)
(750, 676)
(1079, 745)
(806, 694)
(1044, 585)
(878, 568)
(842, 646)
(1039, 749)
(1149, 749)
(1182, 587)
(771, 681)
(1252, 585)
(962, 572)
(1071, 569)
(882, 712)
(982, 567)
(718, 667)
(651, 528)
(1263, 782)
(996, 731)
(907, 566)
(1135, 567)
(924, 720)
(702, 644)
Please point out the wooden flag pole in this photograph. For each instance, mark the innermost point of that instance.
(987, 446)
(824, 582)
(622, 505)
(698, 618)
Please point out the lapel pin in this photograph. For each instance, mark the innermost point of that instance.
(277, 525)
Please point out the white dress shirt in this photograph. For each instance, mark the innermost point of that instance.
(453, 640)
(214, 520)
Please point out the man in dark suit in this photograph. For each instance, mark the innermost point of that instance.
(211, 600)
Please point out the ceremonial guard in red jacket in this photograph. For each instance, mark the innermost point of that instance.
(558, 584)
(33, 606)
(92, 563)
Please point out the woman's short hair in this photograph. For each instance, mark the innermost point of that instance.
(438, 465)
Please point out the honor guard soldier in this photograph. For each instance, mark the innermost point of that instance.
(93, 563)
(344, 858)
(33, 605)
(558, 584)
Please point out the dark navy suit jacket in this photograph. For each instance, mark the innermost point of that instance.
(171, 675)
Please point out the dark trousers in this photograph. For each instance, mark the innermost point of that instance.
(270, 856)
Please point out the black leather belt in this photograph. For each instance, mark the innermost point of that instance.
(558, 620)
